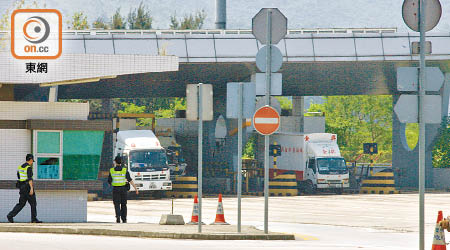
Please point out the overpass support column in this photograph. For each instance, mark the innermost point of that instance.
(53, 94)
(107, 106)
(220, 155)
(298, 106)
(405, 161)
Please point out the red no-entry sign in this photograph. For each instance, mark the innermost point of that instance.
(266, 120)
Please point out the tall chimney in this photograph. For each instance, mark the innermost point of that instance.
(221, 14)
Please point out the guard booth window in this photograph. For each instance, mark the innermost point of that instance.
(67, 155)
(48, 154)
(81, 154)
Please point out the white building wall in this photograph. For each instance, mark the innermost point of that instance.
(83, 66)
(10, 110)
(15, 144)
(52, 206)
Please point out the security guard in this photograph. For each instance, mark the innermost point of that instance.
(118, 178)
(25, 184)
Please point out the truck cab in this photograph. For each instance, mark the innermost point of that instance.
(326, 168)
(328, 173)
(145, 159)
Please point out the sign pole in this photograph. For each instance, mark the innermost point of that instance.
(422, 126)
(266, 138)
(239, 170)
(200, 154)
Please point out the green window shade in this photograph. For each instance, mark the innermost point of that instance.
(81, 156)
(48, 142)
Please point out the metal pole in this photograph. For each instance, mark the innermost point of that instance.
(266, 138)
(200, 154)
(239, 170)
(422, 126)
(221, 14)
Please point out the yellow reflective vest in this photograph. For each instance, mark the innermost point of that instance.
(118, 177)
(23, 172)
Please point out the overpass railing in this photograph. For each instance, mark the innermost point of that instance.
(236, 46)
(224, 32)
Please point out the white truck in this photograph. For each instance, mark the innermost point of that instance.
(145, 159)
(315, 158)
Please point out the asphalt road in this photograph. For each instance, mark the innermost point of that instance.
(347, 222)
(398, 212)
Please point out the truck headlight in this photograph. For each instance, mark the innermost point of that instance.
(345, 181)
(167, 184)
(321, 181)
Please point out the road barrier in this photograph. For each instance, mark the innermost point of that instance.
(380, 183)
(195, 210)
(220, 216)
(283, 185)
(439, 235)
(183, 187)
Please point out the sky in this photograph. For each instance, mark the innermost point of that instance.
(300, 13)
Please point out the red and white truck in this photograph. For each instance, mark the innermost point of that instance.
(315, 158)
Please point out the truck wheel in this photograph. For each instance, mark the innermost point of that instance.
(310, 188)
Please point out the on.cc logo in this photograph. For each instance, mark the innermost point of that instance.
(36, 34)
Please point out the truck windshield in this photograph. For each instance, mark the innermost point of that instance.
(331, 166)
(148, 160)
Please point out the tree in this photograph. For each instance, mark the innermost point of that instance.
(135, 109)
(249, 148)
(100, 23)
(357, 120)
(285, 103)
(441, 150)
(189, 22)
(118, 22)
(140, 18)
(78, 22)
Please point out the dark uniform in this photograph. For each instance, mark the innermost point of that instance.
(118, 178)
(25, 174)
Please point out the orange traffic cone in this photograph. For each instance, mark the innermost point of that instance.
(439, 236)
(194, 218)
(220, 218)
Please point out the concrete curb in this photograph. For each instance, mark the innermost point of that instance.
(142, 234)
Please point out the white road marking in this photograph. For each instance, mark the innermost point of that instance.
(266, 120)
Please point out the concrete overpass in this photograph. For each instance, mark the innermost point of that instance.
(353, 63)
